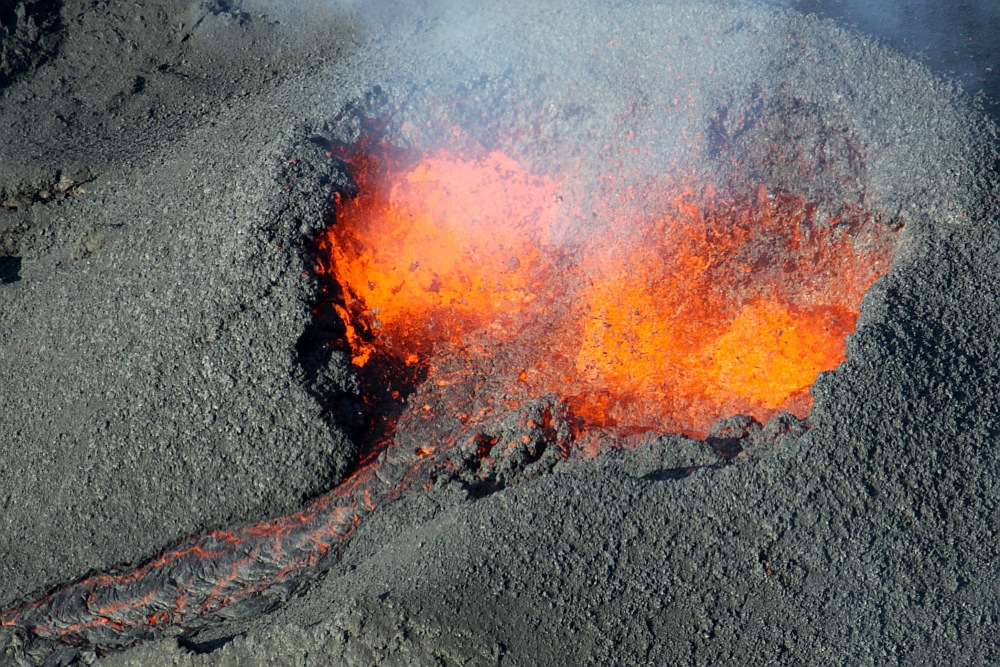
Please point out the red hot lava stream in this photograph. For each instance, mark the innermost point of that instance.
(533, 347)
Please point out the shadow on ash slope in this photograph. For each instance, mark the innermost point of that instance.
(165, 355)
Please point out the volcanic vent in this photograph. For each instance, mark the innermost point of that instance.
(507, 307)
(485, 278)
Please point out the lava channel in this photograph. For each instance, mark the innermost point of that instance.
(536, 335)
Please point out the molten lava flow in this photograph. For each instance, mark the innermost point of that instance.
(668, 316)
(233, 574)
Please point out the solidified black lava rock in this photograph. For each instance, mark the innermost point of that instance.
(29, 32)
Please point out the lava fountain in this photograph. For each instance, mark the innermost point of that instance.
(506, 326)
(664, 314)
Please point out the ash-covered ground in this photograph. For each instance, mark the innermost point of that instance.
(158, 192)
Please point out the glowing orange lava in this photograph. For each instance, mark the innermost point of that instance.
(666, 314)
(719, 309)
(430, 253)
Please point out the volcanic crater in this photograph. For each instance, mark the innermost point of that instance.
(672, 342)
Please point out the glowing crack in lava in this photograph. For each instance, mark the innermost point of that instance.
(535, 334)
(668, 316)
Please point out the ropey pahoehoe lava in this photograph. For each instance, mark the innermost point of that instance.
(537, 323)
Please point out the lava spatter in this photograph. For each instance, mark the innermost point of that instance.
(428, 253)
(668, 315)
(719, 306)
